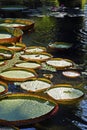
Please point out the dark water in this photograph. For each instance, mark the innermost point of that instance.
(66, 29)
(73, 29)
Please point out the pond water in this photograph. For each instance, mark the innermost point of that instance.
(71, 29)
(66, 26)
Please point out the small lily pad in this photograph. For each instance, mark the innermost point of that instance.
(3, 88)
(71, 74)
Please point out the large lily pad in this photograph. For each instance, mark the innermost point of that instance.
(36, 57)
(36, 85)
(24, 24)
(17, 74)
(65, 93)
(24, 109)
(60, 63)
(59, 46)
(30, 64)
(35, 49)
(10, 34)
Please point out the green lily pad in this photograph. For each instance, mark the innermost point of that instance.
(65, 93)
(10, 34)
(60, 63)
(23, 24)
(24, 109)
(18, 74)
(59, 46)
(30, 64)
(36, 57)
(35, 49)
(36, 85)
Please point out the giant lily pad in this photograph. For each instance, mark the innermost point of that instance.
(36, 85)
(17, 74)
(35, 49)
(24, 24)
(65, 93)
(24, 109)
(36, 57)
(10, 34)
(30, 64)
(60, 63)
(59, 46)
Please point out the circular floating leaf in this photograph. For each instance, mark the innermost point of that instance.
(10, 34)
(18, 74)
(23, 24)
(36, 85)
(56, 46)
(36, 57)
(71, 74)
(30, 64)
(35, 49)
(25, 109)
(60, 63)
(65, 93)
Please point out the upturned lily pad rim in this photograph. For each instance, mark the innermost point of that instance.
(18, 79)
(19, 123)
(5, 86)
(36, 62)
(65, 101)
(39, 79)
(6, 49)
(33, 47)
(29, 24)
(40, 60)
(15, 32)
(59, 59)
